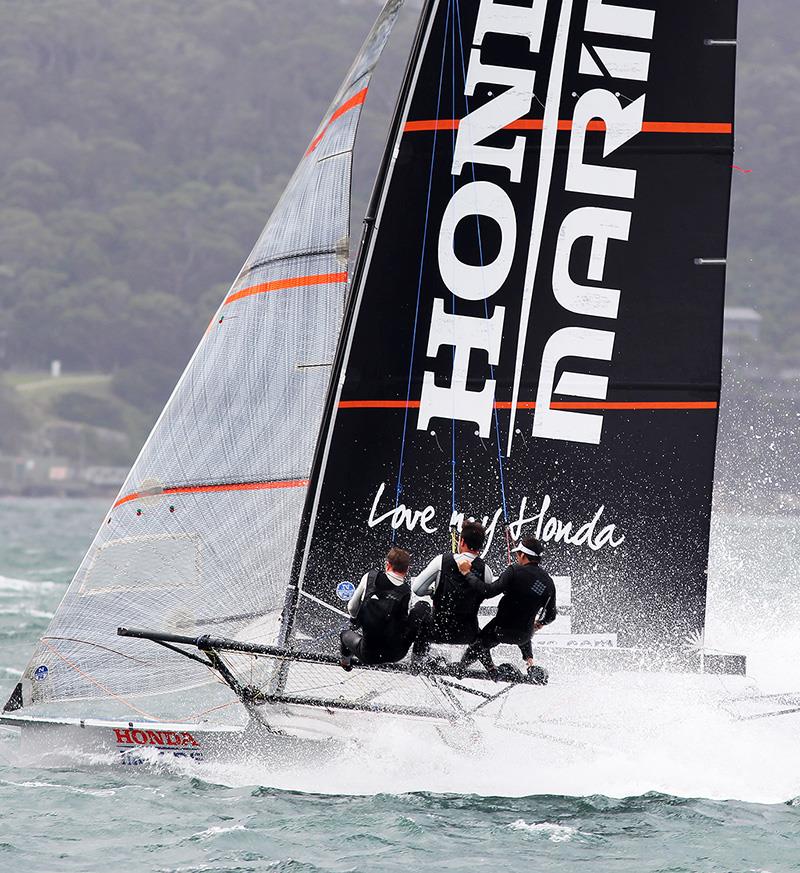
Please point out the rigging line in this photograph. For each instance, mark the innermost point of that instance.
(547, 152)
(104, 648)
(195, 715)
(452, 293)
(321, 602)
(485, 301)
(419, 285)
(100, 685)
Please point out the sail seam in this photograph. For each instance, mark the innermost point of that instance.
(290, 256)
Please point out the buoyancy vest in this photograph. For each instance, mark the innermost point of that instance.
(529, 590)
(384, 609)
(456, 603)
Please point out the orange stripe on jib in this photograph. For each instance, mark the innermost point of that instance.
(282, 284)
(652, 406)
(206, 489)
(537, 123)
(355, 100)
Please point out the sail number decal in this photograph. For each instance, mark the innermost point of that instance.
(599, 223)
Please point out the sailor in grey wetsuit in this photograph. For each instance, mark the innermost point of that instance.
(456, 594)
(384, 631)
(527, 591)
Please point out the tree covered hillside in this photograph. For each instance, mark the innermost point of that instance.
(143, 143)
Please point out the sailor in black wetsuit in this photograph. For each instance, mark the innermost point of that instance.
(455, 583)
(527, 591)
(384, 630)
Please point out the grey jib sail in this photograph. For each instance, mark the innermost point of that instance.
(535, 333)
(201, 536)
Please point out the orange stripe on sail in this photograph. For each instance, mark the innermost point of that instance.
(531, 404)
(355, 100)
(205, 489)
(378, 404)
(281, 284)
(596, 124)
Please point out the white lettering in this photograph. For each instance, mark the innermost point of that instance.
(600, 225)
(548, 527)
(495, 17)
(556, 424)
(401, 515)
(468, 281)
(619, 63)
(604, 17)
(621, 125)
(464, 333)
(493, 116)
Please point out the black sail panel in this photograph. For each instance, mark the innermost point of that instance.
(536, 333)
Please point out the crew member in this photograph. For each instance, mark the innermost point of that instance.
(527, 591)
(456, 584)
(384, 631)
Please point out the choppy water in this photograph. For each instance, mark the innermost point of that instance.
(199, 818)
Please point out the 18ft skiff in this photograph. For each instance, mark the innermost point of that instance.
(531, 336)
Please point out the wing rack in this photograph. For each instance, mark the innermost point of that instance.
(445, 677)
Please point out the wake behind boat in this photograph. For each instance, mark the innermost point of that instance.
(531, 337)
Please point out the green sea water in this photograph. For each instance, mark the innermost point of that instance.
(196, 818)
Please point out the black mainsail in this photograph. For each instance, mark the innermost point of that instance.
(535, 327)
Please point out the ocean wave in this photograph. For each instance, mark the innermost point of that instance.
(215, 831)
(25, 610)
(15, 585)
(72, 789)
(556, 833)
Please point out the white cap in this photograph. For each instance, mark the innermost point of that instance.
(526, 551)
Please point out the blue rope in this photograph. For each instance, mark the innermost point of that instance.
(421, 270)
(485, 303)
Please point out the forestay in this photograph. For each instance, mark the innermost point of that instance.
(535, 338)
(200, 538)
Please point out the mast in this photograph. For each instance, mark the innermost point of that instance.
(395, 131)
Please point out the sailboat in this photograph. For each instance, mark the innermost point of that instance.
(530, 336)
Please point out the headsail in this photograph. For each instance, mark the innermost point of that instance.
(200, 538)
(536, 333)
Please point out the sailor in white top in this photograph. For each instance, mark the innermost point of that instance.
(354, 603)
(426, 583)
(456, 585)
(383, 630)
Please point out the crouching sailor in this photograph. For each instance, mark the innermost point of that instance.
(527, 591)
(384, 631)
(456, 584)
